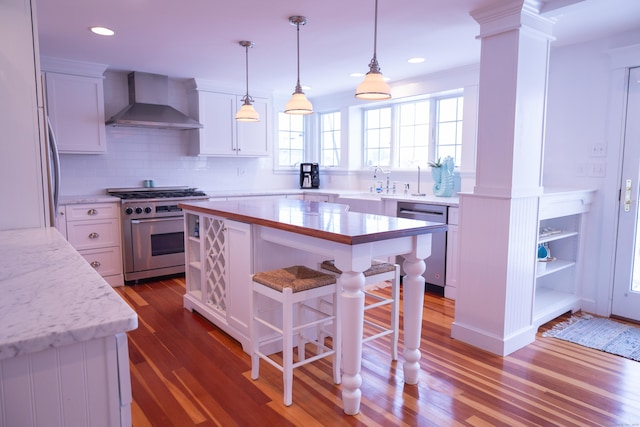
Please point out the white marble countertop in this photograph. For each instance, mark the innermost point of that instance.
(51, 297)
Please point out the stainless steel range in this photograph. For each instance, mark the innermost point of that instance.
(153, 229)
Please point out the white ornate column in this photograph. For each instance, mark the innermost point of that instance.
(498, 220)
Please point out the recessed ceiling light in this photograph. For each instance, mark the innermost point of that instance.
(356, 74)
(416, 60)
(102, 31)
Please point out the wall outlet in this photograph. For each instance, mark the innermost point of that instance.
(598, 150)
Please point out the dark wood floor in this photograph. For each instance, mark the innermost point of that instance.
(186, 372)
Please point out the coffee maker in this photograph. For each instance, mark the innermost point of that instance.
(309, 175)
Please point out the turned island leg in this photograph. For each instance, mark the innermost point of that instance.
(352, 311)
(413, 301)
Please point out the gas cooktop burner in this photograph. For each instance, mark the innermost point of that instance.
(155, 193)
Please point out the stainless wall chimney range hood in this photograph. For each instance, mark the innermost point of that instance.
(149, 105)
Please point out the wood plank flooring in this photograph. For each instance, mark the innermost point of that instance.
(186, 372)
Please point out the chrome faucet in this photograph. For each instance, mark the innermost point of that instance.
(387, 173)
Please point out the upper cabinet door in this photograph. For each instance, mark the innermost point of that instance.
(253, 137)
(221, 135)
(75, 105)
(217, 136)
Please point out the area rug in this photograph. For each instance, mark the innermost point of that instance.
(599, 333)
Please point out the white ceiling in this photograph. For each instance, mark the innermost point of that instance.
(199, 38)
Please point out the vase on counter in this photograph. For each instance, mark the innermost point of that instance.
(443, 178)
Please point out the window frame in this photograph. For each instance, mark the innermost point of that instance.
(433, 144)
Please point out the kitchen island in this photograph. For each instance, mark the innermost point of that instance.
(63, 348)
(227, 241)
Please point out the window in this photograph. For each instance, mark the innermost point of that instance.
(377, 125)
(330, 139)
(290, 139)
(407, 134)
(449, 129)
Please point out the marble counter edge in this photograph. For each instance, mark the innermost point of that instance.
(91, 198)
(51, 296)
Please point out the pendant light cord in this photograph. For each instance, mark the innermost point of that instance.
(246, 53)
(298, 87)
(373, 65)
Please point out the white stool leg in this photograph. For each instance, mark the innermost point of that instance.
(337, 336)
(302, 341)
(255, 359)
(395, 313)
(287, 346)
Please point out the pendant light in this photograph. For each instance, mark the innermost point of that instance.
(298, 104)
(374, 87)
(247, 113)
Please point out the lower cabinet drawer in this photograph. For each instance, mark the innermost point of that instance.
(93, 234)
(106, 261)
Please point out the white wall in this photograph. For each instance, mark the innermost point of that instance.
(578, 118)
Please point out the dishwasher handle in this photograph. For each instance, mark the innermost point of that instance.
(420, 212)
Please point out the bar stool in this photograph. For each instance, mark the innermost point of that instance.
(294, 286)
(378, 272)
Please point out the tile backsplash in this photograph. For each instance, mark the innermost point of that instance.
(135, 154)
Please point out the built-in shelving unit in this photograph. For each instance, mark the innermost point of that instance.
(561, 223)
(217, 291)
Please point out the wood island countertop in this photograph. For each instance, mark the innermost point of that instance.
(328, 221)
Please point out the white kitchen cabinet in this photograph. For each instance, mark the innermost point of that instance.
(453, 258)
(318, 197)
(218, 273)
(371, 205)
(561, 227)
(221, 134)
(93, 229)
(75, 106)
(85, 383)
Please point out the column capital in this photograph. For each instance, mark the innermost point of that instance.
(512, 15)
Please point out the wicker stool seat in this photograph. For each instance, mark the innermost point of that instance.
(378, 272)
(294, 288)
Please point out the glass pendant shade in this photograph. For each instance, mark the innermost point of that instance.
(298, 104)
(373, 87)
(247, 113)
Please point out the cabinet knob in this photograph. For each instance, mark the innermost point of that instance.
(95, 264)
(93, 235)
(92, 212)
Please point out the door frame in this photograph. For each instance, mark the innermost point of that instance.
(621, 61)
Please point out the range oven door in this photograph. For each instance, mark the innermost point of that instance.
(157, 243)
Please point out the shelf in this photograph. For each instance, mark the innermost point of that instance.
(554, 266)
(550, 304)
(194, 239)
(195, 264)
(557, 236)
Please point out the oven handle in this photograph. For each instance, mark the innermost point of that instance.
(141, 221)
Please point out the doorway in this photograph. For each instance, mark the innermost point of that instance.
(626, 285)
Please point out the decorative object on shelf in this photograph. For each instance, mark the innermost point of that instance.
(298, 104)
(247, 113)
(544, 257)
(443, 179)
(548, 231)
(374, 88)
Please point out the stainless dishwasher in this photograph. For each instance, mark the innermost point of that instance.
(434, 275)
